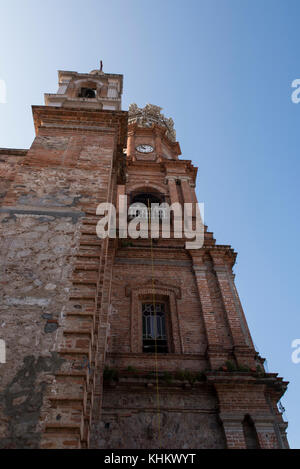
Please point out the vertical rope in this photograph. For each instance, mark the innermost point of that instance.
(155, 330)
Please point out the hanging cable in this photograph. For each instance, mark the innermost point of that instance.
(155, 329)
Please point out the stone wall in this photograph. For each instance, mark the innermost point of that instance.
(182, 418)
(59, 181)
(9, 161)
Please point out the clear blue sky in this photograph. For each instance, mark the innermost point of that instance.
(222, 69)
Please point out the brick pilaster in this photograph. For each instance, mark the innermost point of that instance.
(242, 343)
(172, 189)
(233, 430)
(186, 190)
(266, 433)
(216, 355)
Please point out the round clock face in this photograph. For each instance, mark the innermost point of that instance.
(145, 148)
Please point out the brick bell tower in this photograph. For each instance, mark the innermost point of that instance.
(129, 343)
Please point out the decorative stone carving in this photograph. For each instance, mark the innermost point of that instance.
(149, 115)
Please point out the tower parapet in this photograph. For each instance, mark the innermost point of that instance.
(94, 90)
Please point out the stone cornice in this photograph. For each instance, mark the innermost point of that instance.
(180, 169)
(83, 119)
(13, 151)
(237, 380)
(225, 254)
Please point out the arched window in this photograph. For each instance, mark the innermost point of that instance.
(146, 198)
(87, 93)
(141, 204)
(150, 292)
(250, 434)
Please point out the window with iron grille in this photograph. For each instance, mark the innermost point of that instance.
(154, 328)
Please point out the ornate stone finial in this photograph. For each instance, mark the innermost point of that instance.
(149, 115)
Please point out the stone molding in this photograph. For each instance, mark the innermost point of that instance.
(154, 289)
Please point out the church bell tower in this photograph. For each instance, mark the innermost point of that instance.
(181, 367)
(119, 342)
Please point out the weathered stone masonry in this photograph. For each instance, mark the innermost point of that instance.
(76, 374)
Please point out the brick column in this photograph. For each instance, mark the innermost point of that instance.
(186, 190)
(266, 434)
(130, 145)
(240, 396)
(189, 195)
(171, 180)
(193, 193)
(216, 356)
(158, 145)
(233, 429)
(242, 343)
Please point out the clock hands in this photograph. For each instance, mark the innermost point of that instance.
(144, 148)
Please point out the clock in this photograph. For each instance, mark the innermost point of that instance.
(144, 148)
